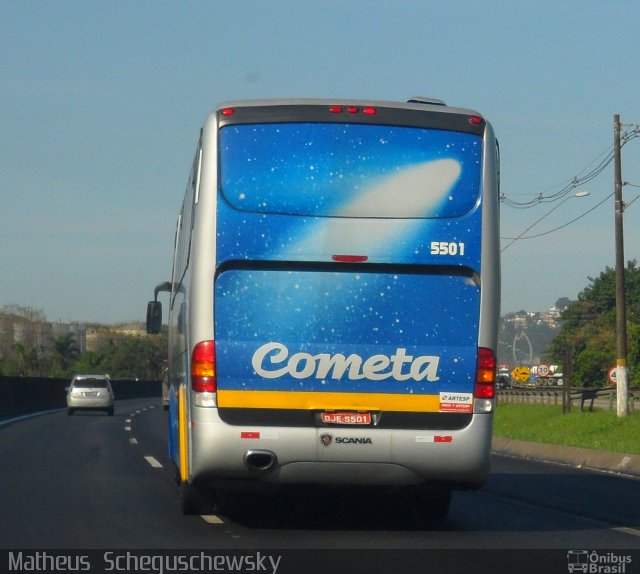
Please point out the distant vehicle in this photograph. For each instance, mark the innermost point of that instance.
(90, 392)
(334, 300)
(503, 382)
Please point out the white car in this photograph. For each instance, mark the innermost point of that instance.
(90, 392)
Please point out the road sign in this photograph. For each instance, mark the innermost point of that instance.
(521, 374)
(613, 375)
(543, 370)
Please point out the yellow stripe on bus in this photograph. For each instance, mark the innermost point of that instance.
(182, 433)
(328, 401)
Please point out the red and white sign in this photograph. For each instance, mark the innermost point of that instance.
(456, 402)
(613, 375)
(543, 370)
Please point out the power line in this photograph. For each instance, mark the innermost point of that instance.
(568, 222)
(563, 194)
(577, 181)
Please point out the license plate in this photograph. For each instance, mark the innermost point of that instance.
(345, 418)
(90, 395)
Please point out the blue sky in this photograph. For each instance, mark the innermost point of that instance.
(101, 104)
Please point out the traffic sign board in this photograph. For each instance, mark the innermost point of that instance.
(543, 370)
(521, 374)
(613, 375)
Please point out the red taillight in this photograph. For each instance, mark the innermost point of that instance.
(228, 112)
(203, 367)
(485, 374)
(350, 258)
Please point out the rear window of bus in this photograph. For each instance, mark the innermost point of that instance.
(350, 170)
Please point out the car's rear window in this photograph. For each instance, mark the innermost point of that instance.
(91, 384)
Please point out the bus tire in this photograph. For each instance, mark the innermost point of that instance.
(432, 505)
(440, 504)
(195, 500)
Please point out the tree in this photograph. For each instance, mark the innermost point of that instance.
(90, 362)
(23, 361)
(31, 314)
(589, 328)
(127, 356)
(64, 353)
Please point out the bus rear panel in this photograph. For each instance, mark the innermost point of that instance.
(340, 304)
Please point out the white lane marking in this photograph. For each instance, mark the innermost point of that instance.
(133, 440)
(211, 519)
(29, 416)
(153, 462)
(626, 530)
(594, 521)
(127, 421)
(127, 428)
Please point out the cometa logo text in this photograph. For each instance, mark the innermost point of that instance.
(273, 360)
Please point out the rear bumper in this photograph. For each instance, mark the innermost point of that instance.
(89, 403)
(345, 456)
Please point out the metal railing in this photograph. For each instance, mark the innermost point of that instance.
(591, 397)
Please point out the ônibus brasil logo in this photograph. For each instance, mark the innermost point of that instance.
(597, 562)
(272, 360)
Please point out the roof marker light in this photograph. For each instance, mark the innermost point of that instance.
(335, 109)
(350, 258)
(353, 109)
(369, 111)
(475, 120)
(228, 111)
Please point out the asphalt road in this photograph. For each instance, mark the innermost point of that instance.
(93, 481)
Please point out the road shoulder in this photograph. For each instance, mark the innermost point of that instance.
(627, 464)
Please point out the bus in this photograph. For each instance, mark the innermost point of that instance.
(334, 300)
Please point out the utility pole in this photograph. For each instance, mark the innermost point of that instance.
(566, 378)
(621, 311)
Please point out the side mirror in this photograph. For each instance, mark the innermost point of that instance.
(154, 317)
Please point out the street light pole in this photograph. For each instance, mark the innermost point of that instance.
(621, 311)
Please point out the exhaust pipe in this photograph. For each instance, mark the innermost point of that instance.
(258, 461)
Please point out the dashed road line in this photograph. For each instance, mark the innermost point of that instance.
(133, 440)
(153, 461)
(211, 519)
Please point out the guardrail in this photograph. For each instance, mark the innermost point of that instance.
(603, 398)
(25, 395)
